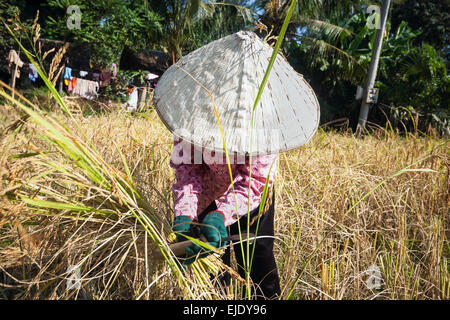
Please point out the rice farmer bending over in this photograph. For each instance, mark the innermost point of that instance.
(206, 100)
(203, 193)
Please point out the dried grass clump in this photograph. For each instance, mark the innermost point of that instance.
(401, 226)
(343, 205)
(69, 220)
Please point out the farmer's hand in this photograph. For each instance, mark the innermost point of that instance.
(181, 226)
(214, 230)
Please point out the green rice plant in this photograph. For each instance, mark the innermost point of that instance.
(80, 185)
(248, 258)
(113, 195)
(248, 262)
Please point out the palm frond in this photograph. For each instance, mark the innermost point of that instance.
(329, 31)
(351, 69)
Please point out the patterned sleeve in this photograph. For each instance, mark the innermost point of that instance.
(188, 186)
(260, 170)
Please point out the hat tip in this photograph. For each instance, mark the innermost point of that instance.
(244, 35)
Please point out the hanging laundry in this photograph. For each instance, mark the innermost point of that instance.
(71, 84)
(86, 89)
(33, 75)
(13, 58)
(83, 74)
(132, 103)
(114, 69)
(105, 79)
(68, 73)
(151, 76)
(96, 77)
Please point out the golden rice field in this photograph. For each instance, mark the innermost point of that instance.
(356, 218)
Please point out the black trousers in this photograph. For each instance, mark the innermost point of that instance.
(263, 273)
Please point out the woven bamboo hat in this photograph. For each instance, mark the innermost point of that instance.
(231, 69)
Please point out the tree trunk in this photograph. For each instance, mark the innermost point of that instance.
(373, 68)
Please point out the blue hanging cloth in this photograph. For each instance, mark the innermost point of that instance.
(68, 73)
(33, 75)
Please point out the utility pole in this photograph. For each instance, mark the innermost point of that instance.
(373, 68)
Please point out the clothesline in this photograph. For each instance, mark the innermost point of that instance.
(82, 87)
(88, 75)
(14, 58)
(84, 83)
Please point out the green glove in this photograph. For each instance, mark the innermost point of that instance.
(214, 230)
(181, 225)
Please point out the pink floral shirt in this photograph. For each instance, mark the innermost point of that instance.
(202, 176)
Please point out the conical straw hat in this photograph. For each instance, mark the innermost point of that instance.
(231, 69)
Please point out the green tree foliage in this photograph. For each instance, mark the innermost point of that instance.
(407, 76)
(328, 41)
(188, 24)
(8, 11)
(431, 16)
(224, 19)
(415, 77)
(108, 25)
(11, 13)
(308, 14)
